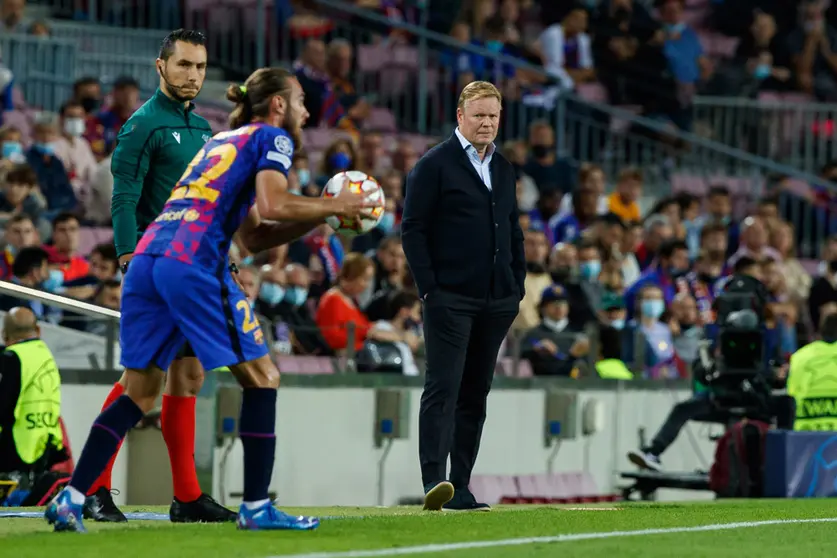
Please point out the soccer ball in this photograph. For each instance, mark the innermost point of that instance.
(358, 182)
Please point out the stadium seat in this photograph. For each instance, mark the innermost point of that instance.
(315, 365)
(594, 92)
(381, 120)
(89, 237)
(524, 369)
(495, 489)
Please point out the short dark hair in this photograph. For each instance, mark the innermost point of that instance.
(612, 220)
(586, 244)
(743, 264)
(180, 35)
(828, 328)
(669, 247)
(86, 80)
(107, 250)
(718, 190)
(685, 200)
(68, 105)
(19, 218)
(400, 300)
(64, 217)
(106, 284)
(22, 174)
(769, 200)
(712, 228)
(495, 24)
(124, 82)
(29, 259)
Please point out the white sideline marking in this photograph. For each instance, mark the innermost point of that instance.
(433, 548)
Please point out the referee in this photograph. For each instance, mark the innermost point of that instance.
(153, 150)
(464, 246)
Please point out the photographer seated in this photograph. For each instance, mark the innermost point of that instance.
(31, 440)
(736, 373)
(553, 346)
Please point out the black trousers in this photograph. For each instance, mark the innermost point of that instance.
(462, 338)
(701, 407)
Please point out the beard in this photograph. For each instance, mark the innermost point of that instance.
(178, 92)
(293, 126)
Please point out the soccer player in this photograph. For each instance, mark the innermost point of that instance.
(179, 288)
(153, 149)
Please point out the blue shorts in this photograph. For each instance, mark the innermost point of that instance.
(166, 303)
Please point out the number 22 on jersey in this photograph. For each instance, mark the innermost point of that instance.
(205, 168)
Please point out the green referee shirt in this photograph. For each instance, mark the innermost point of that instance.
(153, 149)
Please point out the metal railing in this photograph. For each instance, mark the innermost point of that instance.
(75, 306)
(149, 14)
(799, 134)
(26, 56)
(110, 39)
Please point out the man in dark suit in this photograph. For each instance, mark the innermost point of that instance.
(464, 246)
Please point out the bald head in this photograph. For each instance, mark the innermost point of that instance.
(297, 276)
(19, 324)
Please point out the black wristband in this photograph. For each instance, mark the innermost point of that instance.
(233, 268)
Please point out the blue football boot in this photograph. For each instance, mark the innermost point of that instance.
(64, 515)
(268, 518)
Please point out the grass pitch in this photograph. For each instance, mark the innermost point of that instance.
(740, 529)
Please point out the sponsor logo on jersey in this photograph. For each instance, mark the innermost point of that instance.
(187, 215)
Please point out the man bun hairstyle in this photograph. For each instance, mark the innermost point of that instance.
(252, 99)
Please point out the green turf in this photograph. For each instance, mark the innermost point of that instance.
(386, 528)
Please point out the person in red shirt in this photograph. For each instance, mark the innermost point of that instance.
(338, 307)
(63, 254)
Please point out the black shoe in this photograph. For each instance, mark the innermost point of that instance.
(100, 507)
(202, 510)
(463, 500)
(437, 495)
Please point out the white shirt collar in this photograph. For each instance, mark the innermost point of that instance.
(467, 145)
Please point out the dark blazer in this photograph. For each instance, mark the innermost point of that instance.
(458, 235)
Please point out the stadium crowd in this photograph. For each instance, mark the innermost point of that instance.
(606, 280)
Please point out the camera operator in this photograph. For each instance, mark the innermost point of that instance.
(731, 372)
(812, 379)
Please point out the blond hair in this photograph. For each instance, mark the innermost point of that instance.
(478, 90)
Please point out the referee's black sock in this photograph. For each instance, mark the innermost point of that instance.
(105, 436)
(257, 432)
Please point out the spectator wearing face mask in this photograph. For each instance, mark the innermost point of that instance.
(652, 349)
(536, 251)
(657, 231)
(302, 169)
(295, 311)
(74, 151)
(548, 171)
(11, 147)
(685, 327)
(672, 264)
(338, 157)
(30, 269)
(52, 176)
(554, 346)
(612, 338)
